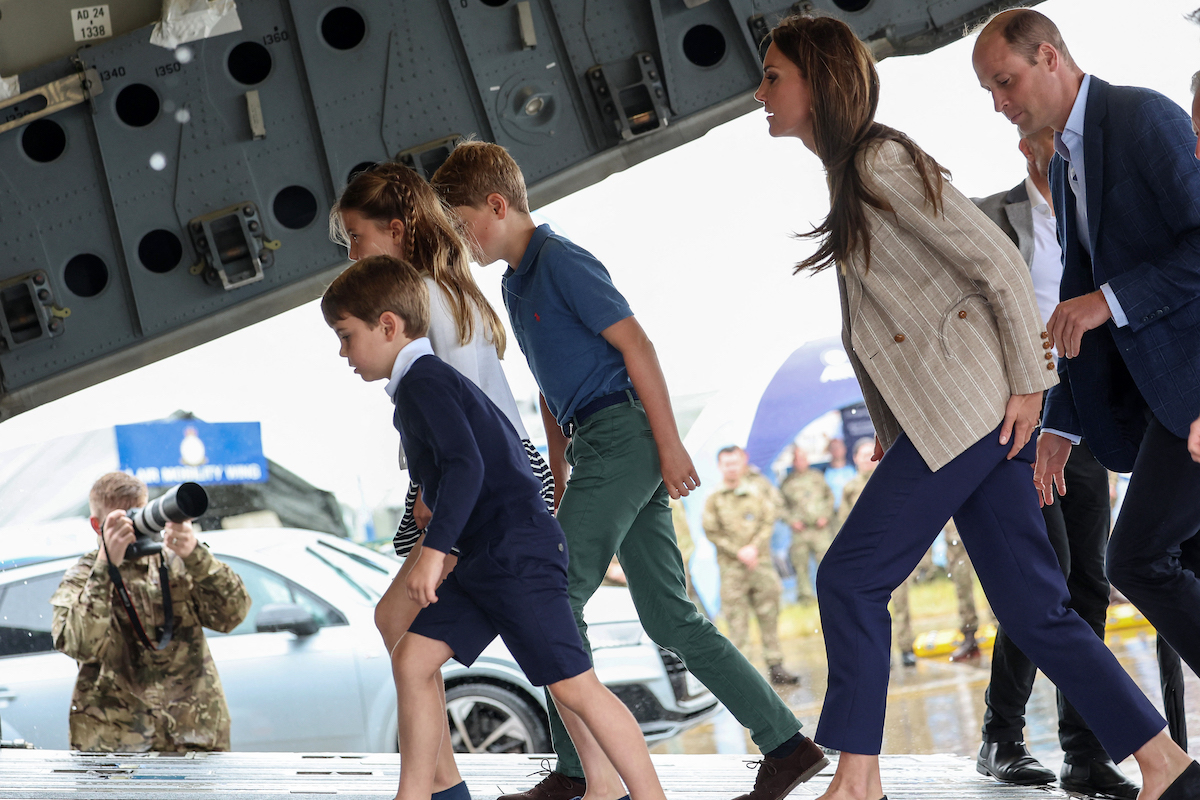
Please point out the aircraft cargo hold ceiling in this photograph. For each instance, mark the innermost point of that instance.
(166, 181)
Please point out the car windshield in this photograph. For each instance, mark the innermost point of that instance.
(366, 575)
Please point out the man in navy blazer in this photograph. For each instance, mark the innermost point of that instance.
(1126, 189)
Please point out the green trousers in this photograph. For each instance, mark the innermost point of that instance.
(615, 502)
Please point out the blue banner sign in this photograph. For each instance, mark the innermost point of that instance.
(170, 452)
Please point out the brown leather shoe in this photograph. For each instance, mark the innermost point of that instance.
(555, 786)
(778, 776)
(967, 650)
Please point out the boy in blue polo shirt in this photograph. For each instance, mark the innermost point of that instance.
(607, 413)
(511, 576)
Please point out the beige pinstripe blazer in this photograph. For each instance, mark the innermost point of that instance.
(943, 328)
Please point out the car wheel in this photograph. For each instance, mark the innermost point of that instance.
(490, 719)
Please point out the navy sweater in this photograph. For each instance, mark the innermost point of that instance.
(465, 455)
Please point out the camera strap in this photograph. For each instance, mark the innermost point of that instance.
(168, 628)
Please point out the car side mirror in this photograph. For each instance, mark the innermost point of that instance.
(276, 617)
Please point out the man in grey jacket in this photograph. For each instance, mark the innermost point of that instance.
(1078, 523)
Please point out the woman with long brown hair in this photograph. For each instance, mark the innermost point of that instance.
(941, 327)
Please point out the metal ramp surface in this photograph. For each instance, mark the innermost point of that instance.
(45, 774)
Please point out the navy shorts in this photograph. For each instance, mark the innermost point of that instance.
(514, 585)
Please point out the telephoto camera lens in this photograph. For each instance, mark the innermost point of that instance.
(180, 504)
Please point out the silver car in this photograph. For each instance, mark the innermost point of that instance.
(312, 673)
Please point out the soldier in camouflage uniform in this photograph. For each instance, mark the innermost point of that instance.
(738, 519)
(810, 514)
(958, 564)
(127, 697)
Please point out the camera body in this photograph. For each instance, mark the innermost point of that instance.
(183, 502)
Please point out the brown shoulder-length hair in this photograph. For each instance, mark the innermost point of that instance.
(432, 241)
(845, 94)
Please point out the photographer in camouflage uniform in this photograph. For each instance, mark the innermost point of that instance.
(738, 519)
(128, 697)
(810, 514)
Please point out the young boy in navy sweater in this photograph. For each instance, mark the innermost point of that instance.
(607, 413)
(511, 574)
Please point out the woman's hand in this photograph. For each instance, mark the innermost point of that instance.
(876, 456)
(1020, 420)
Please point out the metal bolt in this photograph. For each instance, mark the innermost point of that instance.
(39, 279)
(658, 92)
(253, 225)
(54, 326)
(653, 74)
(609, 108)
(535, 106)
(595, 74)
(602, 90)
(248, 211)
(645, 59)
(197, 226)
(43, 295)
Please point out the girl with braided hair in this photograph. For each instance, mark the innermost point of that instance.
(391, 210)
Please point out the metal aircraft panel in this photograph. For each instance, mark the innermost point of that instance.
(152, 199)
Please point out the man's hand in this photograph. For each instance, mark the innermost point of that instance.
(1052, 453)
(748, 555)
(823, 521)
(1194, 440)
(678, 472)
(179, 538)
(425, 576)
(421, 513)
(118, 535)
(799, 526)
(1075, 317)
(1020, 420)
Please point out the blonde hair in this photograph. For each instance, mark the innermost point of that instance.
(375, 284)
(116, 491)
(476, 169)
(432, 241)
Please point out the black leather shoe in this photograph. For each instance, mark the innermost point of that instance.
(1010, 762)
(1186, 786)
(1099, 778)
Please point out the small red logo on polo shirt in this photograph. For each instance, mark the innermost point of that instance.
(535, 316)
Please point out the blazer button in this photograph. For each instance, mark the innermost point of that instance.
(1049, 356)
(962, 315)
(1045, 345)
(899, 337)
(1050, 366)
(1045, 335)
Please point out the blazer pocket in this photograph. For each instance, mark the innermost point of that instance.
(970, 310)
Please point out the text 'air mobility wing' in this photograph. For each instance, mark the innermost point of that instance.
(154, 196)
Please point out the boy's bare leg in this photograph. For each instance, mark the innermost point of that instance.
(416, 663)
(393, 615)
(606, 736)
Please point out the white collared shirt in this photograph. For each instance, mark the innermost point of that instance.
(404, 361)
(1069, 144)
(1046, 267)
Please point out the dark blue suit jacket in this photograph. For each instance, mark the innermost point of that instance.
(465, 455)
(1143, 196)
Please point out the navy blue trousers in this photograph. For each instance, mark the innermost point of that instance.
(994, 504)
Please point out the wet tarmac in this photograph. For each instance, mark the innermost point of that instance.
(937, 706)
